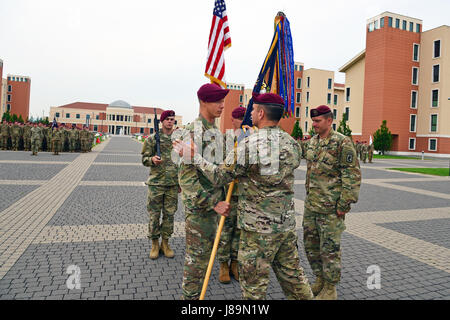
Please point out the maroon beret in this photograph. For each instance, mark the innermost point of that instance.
(319, 111)
(211, 92)
(167, 113)
(268, 98)
(238, 113)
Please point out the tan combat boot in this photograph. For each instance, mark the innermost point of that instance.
(224, 273)
(234, 269)
(165, 248)
(328, 292)
(317, 286)
(154, 253)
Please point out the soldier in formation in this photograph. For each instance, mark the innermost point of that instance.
(56, 140)
(162, 187)
(227, 253)
(268, 235)
(4, 135)
(36, 137)
(333, 182)
(371, 149)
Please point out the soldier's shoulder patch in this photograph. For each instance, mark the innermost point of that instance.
(349, 157)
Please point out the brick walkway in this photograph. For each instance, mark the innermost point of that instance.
(88, 210)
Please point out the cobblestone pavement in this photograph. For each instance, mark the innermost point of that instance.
(88, 210)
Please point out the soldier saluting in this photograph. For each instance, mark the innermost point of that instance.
(333, 180)
(162, 185)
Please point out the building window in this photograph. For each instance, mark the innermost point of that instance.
(308, 81)
(412, 122)
(390, 22)
(78, 116)
(376, 24)
(437, 49)
(97, 117)
(334, 114)
(418, 28)
(436, 73)
(297, 112)
(415, 76)
(10, 88)
(404, 25)
(307, 97)
(300, 68)
(347, 114)
(371, 27)
(329, 98)
(67, 115)
(149, 120)
(434, 123)
(142, 130)
(335, 99)
(95, 127)
(299, 97)
(8, 107)
(334, 126)
(330, 83)
(176, 122)
(347, 94)
(57, 114)
(414, 99)
(306, 112)
(382, 22)
(299, 83)
(435, 98)
(240, 98)
(113, 117)
(411, 26)
(9, 98)
(415, 52)
(397, 23)
(412, 144)
(88, 116)
(432, 144)
(306, 126)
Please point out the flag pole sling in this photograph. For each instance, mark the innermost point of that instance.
(216, 244)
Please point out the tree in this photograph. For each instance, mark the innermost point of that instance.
(20, 119)
(344, 128)
(14, 118)
(382, 138)
(297, 132)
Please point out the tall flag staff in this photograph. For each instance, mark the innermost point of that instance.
(219, 41)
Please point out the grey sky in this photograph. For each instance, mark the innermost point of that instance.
(153, 53)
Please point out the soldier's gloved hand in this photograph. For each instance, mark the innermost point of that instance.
(156, 160)
(223, 208)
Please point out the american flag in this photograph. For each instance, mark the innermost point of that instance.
(219, 40)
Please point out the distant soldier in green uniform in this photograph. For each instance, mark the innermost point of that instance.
(27, 136)
(162, 187)
(357, 148)
(15, 136)
(73, 136)
(364, 151)
(91, 140)
(266, 206)
(227, 254)
(371, 149)
(56, 137)
(333, 180)
(4, 132)
(84, 139)
(36, 137)
(200, 196)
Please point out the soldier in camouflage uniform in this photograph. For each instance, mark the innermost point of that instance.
(4, 132)
(333, 180)
(227, 253)
(364, 151)
(162, 187)
(73, 136)
(56, 137)
(15, 136)
(200, 196)
(357, 149)
(84, 139)
(27, 137)
(266, 206)
(36, 137)
(370, 152)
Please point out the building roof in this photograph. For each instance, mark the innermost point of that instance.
(103, 107)
(354, 60)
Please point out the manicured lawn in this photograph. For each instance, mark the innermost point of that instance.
(377, 156)
(432, 171)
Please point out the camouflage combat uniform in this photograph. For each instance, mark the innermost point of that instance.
(333, 180)
(15, 136)
(27, 137)
(370, 152)
(5, 131)
(36, 137)
(364, 152)
(56, 140)
(73, 136)
(266, 212)
(162, 187)
(84, 139)
(199, 199)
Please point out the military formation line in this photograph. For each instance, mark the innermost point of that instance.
(40, 137)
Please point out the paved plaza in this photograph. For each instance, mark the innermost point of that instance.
(89, 211)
